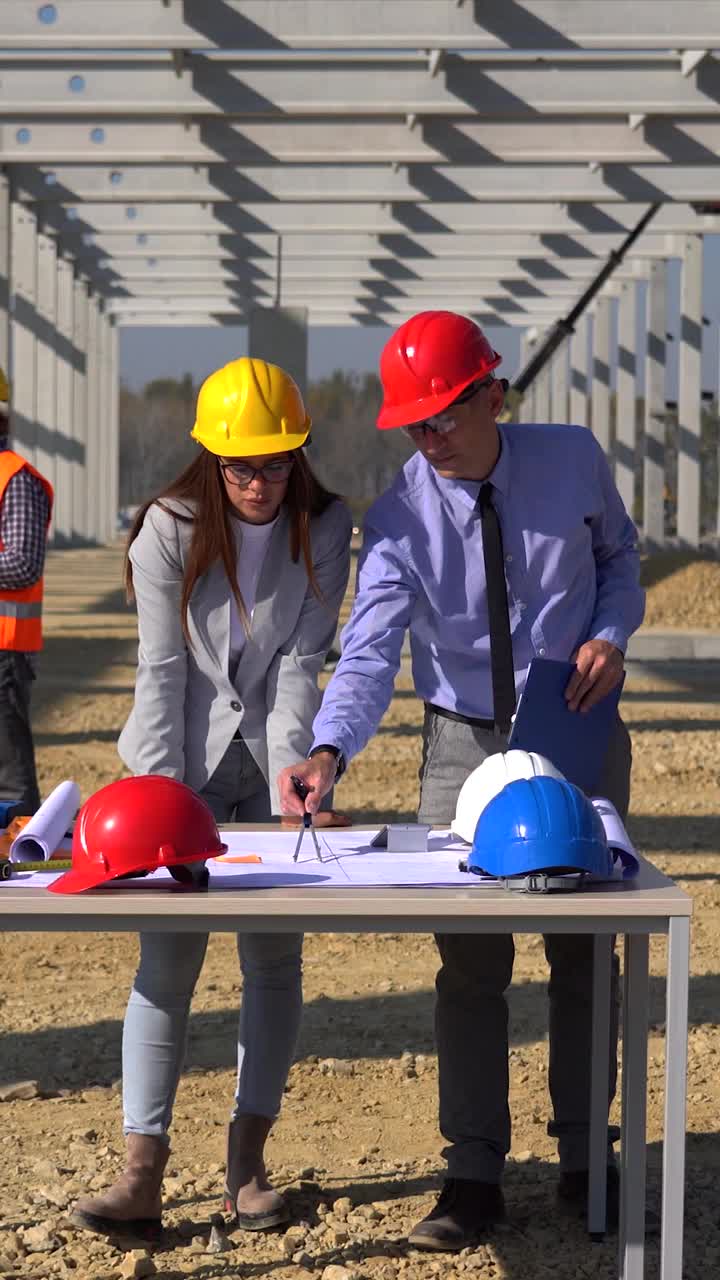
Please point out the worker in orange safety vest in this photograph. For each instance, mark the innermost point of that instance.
(26, 500)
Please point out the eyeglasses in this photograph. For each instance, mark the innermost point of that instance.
(441, 424)
(242, 474)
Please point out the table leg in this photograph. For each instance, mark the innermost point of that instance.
(676, 1030)
(634, 1108)
(599, 1083)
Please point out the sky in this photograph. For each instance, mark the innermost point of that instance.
(149, 353)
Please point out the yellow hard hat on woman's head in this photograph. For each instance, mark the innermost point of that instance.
(250, 407)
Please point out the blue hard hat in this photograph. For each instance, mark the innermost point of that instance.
(540, 824)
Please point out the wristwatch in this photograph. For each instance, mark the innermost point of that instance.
(334, 751)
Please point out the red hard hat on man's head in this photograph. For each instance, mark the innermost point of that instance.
(138, 824)
(428, 362)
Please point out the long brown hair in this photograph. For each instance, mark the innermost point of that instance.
(201, 485)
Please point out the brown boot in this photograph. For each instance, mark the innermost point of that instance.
(132, 1205)
(248, 1194)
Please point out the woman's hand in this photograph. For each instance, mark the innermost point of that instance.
(330, 818)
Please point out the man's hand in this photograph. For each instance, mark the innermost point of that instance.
(325, 818)
(318, 775)
(599, 667)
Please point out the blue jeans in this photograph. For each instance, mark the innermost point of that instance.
(155, 1030)
(471, 1014)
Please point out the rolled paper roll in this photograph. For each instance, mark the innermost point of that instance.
(45, 830)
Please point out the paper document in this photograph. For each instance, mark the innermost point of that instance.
(349, 860)
(45, 830)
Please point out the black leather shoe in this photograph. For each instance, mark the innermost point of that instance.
(465, 1209)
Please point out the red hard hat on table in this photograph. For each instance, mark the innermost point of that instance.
(428, 362)
(136, 825)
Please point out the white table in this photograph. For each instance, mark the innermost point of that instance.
(651, 904)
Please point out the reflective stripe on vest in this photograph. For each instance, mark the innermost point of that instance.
(15, 609)
(21, 610)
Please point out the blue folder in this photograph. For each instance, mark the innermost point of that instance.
(576, 742)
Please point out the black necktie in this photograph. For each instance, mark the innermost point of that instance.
(501, 655)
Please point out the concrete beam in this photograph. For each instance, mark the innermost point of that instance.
(370, 184)
(324, 24)
(334, 218)
(228, 85)
(264, 143)
(585, 219)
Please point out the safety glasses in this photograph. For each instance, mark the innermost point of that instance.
(441, 424)
(242, 474)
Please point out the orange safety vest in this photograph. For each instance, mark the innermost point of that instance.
(21, 611)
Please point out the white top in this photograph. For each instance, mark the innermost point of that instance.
(254, 545)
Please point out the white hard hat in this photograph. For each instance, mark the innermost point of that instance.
(488, 780)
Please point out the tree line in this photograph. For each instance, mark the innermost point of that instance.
(346, 450)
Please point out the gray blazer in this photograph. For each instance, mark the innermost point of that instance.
(186, 708)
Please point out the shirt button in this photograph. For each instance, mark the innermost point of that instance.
(541, 652)
(508, 559)
(236, 706)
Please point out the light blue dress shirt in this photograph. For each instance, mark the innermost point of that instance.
(571, 565)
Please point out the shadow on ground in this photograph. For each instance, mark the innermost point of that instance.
(360, 1028)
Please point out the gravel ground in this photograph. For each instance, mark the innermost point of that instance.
(356, 1146)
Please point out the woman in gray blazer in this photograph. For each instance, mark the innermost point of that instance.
(238, 570)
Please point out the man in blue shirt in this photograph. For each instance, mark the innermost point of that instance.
(567, 559)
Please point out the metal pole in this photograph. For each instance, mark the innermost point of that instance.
(689, 398)
(92, 501)
(113, 453)
(626, 402)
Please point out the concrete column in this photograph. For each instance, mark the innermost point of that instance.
(105, 467)
(46, 447)
(79, 484)
(64, 373)
(600, 392)
(23, 329)
(626, 408)
(525, 410)
(113, 455)
(279, 334)
(579, 380)
(541, 391)
(92, 448)
(4, 274)
(689, 388)
(559, 384)
(655, 422)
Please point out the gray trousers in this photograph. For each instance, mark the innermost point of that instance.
(471, 1018)
(155, 1029)
(18, 779)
